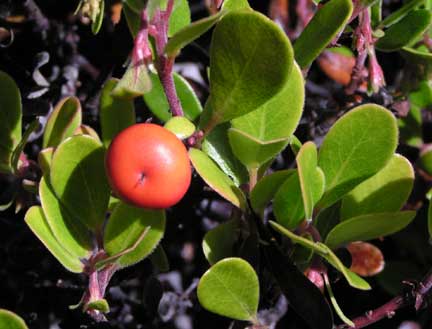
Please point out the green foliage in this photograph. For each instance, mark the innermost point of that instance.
(100, 305)
(240, 81)
(79, 181)
(406, 31)
(180, 17)
(134, 83)
(62, 122)
(125, 227)
(9, 320)
(386, 191)
(397, 15)
(158, 103)
(32, 127)
(10, 120)
(216, 179)
(329, 20)
(235, 5)
(357, 146)
(180, 126)
(368, 227)
(115, 114)
(218, 243)
(230, 288)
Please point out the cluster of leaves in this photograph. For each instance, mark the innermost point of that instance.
(286, 223)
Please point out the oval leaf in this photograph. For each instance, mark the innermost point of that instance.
(135, 82)
(368, 227)
(218, 243)
(9, 320)
(230, 288)
(62, 122)
(10, 120)
(356, 147)
(37, 222)
(240, 80)
(180, 126)
(406, 31)
(215, 178)
(78, 179)
(386, 191)
(115, 114)
(125, 226)
(327, 22)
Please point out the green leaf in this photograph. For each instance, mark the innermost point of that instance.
(218, 243)
(368, 227)
(311, 177)
(216, 179)
(37, 222)
(125, 225)
(406, 31)
(230, 288)
(99, 305)
(132, 19)
(134, 83)
(240, 80)
(321, 249)
(62, 122)
(411, 127)
(20, 147)
(217, 147)
(180, 17)
(89, 131)
(266, 188)
(157, 102)
(278, 118)
(422, 96)
(327, 22)
(357, 146)
(9, 320)
(425, 161)
(45, 160)
(430, 218)
(115, 114)
(71, 234)
(78, 179)
(159, 259)
(386, 191)
(397, 15)
(335, 304)
(190, 33)
(136, 5)
(288, 204)
(251, 151)
(327, 219)
(97, 23)
(10, 120)
(181, 127)
(235, 5)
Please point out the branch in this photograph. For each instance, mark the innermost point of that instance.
(417, 297)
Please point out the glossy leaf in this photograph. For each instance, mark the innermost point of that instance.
(335, 304)
(288, 204)
(397, 15)
(278, 118)
(240, 81)
(218, 243)
(9, 320)
(266, 188)
(216, 146)
(157, 102)
(386, 191)
(251, 151)
(189, 33)
(10, 120)
(99, 305)
(97, 22)
(311, 177)
(357, 146)
(215, 178)
(125, 226)
(230, 288)
(180, 17)
(78, 179)
(180, 126)
(134, 83)
(406, 31)
(115, 114)
(327, 219)
(368, 227)
(62, 122)
(37, 222)
(71, 233)
(327, 22)
(45, 160)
